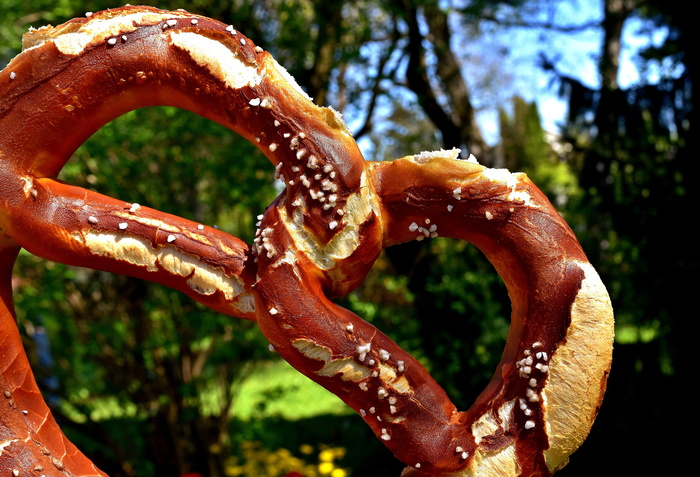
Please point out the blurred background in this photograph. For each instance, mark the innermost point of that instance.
(594, 99)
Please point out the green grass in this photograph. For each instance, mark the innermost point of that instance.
(277, 389)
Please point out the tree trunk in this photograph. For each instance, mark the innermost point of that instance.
(454, 116)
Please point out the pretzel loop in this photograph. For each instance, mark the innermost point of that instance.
(317, 240)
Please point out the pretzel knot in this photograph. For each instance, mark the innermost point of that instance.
(317, 240)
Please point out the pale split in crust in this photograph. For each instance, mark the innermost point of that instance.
(577, 369)
(316, 241)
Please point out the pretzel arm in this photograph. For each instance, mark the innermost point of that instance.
(30, 438)
(73, 79)
(71, 225)
(389, 388)
(547, 389)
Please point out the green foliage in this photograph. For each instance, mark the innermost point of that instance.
(205, 173)
(525, 148)
(637, 152)
(445, 304)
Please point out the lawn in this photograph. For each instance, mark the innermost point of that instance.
(278, 390)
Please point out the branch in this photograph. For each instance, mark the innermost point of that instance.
(419, 83)
(520, 23)
(450, 76)
(376, 88)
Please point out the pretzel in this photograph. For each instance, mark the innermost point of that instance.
(317, 240)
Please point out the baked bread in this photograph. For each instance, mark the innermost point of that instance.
(316, 241)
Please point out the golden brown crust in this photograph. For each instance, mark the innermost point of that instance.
(317, 241)
(550, 282)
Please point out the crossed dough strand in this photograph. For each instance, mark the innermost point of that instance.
(317, 240)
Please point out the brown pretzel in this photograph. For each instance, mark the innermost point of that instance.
(316, 241)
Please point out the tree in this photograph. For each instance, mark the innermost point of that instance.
(637, 148)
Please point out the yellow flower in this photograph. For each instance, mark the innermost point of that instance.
(306, 449)
(339, 452)
(325, 468)
(326, 455)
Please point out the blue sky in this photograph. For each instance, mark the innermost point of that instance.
(576, 55)
(500, 62)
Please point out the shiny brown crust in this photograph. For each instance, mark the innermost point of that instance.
(317, 240)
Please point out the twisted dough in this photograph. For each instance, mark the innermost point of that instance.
(317, 240)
